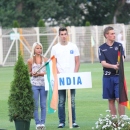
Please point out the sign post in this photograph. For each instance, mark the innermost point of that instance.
(69, 108)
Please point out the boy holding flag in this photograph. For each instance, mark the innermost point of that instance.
(108, 56)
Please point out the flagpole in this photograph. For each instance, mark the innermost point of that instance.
(69, 108)
(44, 64)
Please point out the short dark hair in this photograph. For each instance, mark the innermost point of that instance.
(107, 29)
(62, 29)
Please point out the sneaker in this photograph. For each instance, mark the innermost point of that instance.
(61, 125)
(38, 127)
(75, 125)
(43, 127)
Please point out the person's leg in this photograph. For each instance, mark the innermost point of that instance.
(61, 106)
(108, 93)
(73, 91)
(43, 96)
(121, 108)
(112, 106)
(36, 99)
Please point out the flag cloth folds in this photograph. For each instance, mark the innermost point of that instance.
(123, 97)
(53, 84)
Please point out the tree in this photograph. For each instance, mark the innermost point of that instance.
(20, 101)
(87, 23)
(106, 11)
(124, 15)
(26, 12)
(41, 23)
(16, 24)
(100, 12)
(72, 13)
(63, 12)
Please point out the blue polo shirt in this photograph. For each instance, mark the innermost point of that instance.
(110, 55)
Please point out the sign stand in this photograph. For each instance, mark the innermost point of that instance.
(69, 108)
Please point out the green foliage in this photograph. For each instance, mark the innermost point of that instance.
(103, 11)
(41, 23)
(63, 12)
(71, 14)
(20, 101)
(27, 12)
(16, 24)
(87, 23)
(124, 16)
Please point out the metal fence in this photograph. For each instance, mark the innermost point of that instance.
(87, 39)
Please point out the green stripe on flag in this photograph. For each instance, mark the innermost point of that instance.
(49, 73)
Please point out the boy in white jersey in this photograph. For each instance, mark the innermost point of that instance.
(67, 56)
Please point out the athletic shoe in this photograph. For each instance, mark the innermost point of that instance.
(38, 127)
(61, 125)
(75, 125)
(43, 127)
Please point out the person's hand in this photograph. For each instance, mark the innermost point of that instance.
(35, 74)
(116, 67)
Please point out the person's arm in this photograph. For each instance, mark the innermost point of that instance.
(30, 69)
(107, 65)
(29, 63)
(103, 61)
(39, 74)
(45, 59)
(42, 73)
(53, 53)
(57, 68)
(77, 63)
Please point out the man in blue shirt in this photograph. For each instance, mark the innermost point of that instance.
(108, 55)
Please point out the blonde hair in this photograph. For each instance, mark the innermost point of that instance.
(33, 52)
(33, 49)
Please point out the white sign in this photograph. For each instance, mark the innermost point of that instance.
(72, 81)
(14, 36)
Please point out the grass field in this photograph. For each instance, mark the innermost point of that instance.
(89, 102)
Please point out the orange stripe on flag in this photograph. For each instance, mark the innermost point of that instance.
(54, 100)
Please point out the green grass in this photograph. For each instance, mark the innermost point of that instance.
(89, 102)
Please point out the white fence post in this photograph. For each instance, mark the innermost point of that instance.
(16, 44)
(37, 32)
(73, 34)
(1, 47)
(97, 40)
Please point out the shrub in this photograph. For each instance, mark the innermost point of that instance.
(20, 101)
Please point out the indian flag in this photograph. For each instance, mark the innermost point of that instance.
(53, 84)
